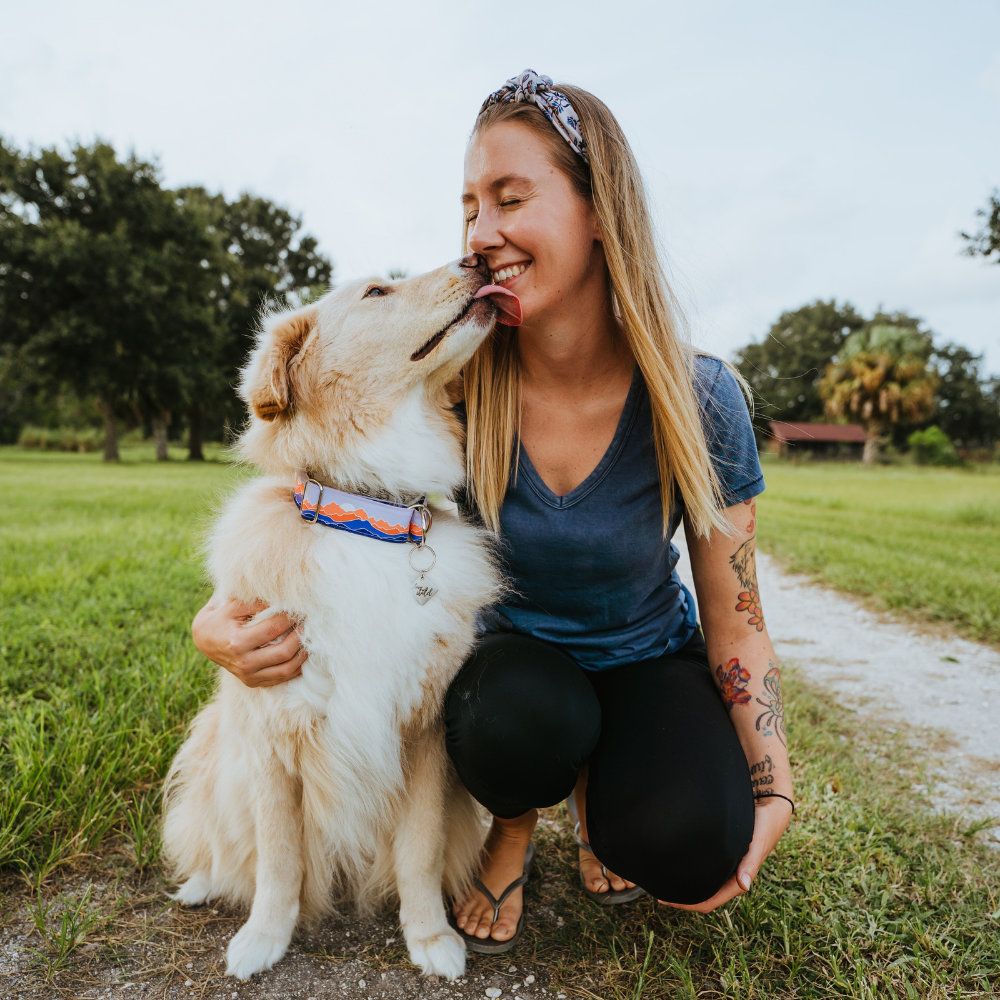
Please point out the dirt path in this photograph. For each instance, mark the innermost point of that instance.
(946, 688)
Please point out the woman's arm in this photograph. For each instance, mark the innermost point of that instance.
(221, 632)
(743, 664)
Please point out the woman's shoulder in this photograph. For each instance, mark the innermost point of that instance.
(716, 386)
(728, 429)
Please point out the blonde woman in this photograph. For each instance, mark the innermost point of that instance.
(593, 432)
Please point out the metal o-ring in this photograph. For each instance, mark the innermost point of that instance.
(422, 548)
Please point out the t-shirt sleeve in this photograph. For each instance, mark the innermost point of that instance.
(728, 431)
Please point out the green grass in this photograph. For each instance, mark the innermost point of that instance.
(868, 895)
(100, 578)
(918, 540)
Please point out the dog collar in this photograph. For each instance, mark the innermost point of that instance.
(381, 519)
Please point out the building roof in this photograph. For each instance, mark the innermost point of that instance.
(784, 430)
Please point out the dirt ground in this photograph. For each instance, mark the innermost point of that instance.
(151, 947)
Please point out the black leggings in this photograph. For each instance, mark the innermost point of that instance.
(669, 803)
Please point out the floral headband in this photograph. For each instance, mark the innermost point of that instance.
(537, 90)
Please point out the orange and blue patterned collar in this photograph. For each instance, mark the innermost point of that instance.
(381, 519)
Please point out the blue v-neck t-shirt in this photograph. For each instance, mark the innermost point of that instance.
(590, 570)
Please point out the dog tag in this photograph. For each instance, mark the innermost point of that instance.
(423, 590)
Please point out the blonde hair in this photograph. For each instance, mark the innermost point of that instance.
(645, 310)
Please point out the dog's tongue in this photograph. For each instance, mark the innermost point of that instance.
(508, 306)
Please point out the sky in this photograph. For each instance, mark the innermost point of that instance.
(792, 151)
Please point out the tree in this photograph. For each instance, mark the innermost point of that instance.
(965, 406)
(262, 261)
(785, 369)
(104, 280)
(881, 377)
(986, 242)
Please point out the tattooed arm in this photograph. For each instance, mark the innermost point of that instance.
(740, 652)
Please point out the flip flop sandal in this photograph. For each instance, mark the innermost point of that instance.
(613, 897)
(490, 946)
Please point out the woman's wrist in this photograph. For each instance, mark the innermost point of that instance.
(770, 797)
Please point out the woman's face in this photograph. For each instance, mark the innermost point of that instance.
(539, 237)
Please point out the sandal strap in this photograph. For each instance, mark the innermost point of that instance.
(580, 841)
(588, 849)
(492, 900)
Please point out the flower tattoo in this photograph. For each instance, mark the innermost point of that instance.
(774, 716)
(744, 564)
(733, 680)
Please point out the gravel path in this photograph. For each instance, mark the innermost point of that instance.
(945, 687)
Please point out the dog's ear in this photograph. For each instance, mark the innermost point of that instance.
(270, 389)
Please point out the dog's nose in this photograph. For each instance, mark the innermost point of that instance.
(470, 260)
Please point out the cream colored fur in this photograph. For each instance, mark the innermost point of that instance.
(337, 784)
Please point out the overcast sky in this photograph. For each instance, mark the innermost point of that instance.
(793, 150)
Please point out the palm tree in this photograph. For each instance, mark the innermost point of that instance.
(880, 377)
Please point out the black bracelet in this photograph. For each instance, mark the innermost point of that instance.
(775, 795)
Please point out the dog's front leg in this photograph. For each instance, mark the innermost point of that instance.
(418, 853)
(277, 809)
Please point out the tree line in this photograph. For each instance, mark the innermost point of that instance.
(124, 301)
(825, 361)
(121, 295)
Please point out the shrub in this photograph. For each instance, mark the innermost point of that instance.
(933, 447)
(61, 439)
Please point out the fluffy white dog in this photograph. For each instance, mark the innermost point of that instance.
(337, 783)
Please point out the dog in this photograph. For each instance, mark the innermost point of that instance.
(337, 784)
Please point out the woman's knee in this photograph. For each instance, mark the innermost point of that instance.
(520, 713)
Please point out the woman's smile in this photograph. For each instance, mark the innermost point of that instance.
(509, 272)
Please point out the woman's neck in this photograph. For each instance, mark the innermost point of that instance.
(577, 346)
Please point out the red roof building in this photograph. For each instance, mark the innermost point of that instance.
(823, 440)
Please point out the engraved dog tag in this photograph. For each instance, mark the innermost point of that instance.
(423, 590)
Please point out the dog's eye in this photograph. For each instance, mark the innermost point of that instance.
(373, 291)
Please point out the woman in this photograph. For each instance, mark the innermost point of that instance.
(592, 432)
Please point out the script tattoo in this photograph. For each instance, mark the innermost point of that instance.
(733, 680)
(760, 774)
(773, 718)
(744, 564)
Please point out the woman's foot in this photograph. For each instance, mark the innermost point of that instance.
(595, 879)
(503, 863)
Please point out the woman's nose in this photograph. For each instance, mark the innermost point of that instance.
(484, 237)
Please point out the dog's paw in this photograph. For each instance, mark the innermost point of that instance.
(439, 955)
(195, 891)
(251, 951)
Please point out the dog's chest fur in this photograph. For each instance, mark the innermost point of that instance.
(378, 660)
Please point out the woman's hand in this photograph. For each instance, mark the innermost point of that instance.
(771, 816)
(220, 631)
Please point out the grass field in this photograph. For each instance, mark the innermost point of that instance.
(868, 895)
(920, 540)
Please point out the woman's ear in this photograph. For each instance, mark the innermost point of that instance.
(267, 379)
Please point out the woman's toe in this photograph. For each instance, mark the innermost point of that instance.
(468, 920)
(501, 930)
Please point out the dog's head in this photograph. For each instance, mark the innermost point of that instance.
(354, 388)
